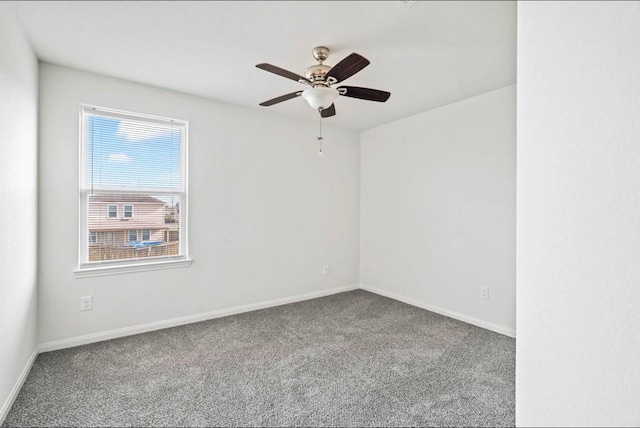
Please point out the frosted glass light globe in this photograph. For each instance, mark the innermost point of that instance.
(320, 97)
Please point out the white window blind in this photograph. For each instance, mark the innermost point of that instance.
(133, 189)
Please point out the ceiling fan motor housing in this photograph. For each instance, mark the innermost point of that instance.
(317, 72)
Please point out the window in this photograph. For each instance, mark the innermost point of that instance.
(137, 162)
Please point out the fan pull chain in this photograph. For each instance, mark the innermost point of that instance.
(320, 137)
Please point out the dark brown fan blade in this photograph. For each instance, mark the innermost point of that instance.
(329, 111)
(281, 72)
(280, 99)
(365, 93)
(347, 67)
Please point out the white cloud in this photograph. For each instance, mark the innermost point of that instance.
(133, 132)
(120, 158)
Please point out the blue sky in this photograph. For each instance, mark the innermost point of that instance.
(128, 153)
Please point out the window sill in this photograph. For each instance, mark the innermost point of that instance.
(139, 267)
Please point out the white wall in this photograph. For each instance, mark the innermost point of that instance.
(266, 212)
(438, 209)
(578, 311)
(18, 206)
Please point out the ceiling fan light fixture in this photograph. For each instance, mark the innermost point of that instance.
(320, 79)
(320, 97)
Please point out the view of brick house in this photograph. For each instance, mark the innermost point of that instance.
(131, 226)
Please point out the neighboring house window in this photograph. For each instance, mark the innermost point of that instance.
(137, 162)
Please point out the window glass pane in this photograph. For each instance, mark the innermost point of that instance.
(153, 231)
(113, 210)
(128, 211)
(130, 153)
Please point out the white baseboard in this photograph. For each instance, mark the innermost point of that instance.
(158, 325)
(507, 331)
(6, 406)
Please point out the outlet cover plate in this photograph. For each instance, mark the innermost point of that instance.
(86, 303)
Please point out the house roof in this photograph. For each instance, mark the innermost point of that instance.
(126, 198)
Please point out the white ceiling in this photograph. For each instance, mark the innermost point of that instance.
(426, 53)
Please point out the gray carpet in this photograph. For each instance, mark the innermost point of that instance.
(351, 359)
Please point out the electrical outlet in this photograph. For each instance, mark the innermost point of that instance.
(325, 270)
(484, 293)
(86, 303)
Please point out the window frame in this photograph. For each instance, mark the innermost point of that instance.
(109, 211)
(97, 268)
(124, 211)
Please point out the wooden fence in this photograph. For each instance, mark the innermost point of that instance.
(103, 252)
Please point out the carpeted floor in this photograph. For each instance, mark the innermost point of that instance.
(351, 359)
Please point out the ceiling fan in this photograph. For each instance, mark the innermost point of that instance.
(320, 77)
